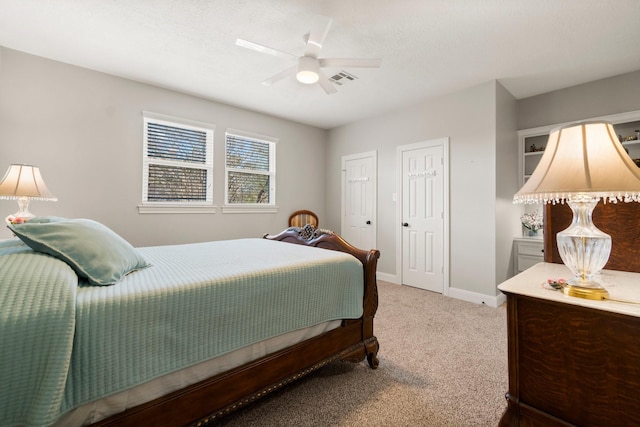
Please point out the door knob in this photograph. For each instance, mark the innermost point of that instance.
(406, 224)
(368, 222)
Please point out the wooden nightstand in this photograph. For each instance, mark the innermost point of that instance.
(572, 361)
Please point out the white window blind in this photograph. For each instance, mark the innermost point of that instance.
(177, 162)
(250, 169)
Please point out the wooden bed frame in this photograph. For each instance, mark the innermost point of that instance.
(208, 400)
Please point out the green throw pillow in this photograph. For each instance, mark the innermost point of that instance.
(93, 250)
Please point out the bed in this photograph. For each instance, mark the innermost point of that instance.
(188, 334)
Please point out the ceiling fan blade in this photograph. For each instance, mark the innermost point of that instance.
(281, 75)
(265, 49)
(318, 33)
(351, 62)
(326, 83)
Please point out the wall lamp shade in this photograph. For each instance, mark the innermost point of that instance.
(308, 70)
(582, 164)
(24, 183)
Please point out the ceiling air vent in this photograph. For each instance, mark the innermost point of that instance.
(342, 77)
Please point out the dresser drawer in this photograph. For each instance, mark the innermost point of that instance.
(526, 261)
(527, 253)
(530, 248)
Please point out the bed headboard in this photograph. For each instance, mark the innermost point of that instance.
(621, 221)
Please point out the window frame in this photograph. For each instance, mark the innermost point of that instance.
(207, 206)
(270, 207)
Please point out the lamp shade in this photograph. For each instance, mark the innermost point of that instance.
(24, 182)
(584, 159)
(583, 163)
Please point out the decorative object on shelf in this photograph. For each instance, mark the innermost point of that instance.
(534, 149)
(23, 183)
(628, 138)
(532, 221)
(585, 163)
(557, 284)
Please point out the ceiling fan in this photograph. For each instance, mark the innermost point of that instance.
(308, 69)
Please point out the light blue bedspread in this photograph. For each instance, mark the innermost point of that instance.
(196, 302)
(37, 319)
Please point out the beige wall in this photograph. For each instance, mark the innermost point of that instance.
(84, 130)
(482, 123)
(468, 118)
(507, 217)
(614, 95)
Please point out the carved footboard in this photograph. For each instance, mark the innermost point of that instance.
(326, 239)
(206, 401)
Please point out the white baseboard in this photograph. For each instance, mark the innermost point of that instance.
(391, 278)
(491, 301)
(474, 297)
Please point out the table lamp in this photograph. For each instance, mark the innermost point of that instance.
(23, 183)
(582, 164)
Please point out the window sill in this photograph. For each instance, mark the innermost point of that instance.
(249, 209)
(176, 209)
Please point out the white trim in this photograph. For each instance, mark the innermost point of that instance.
(629, 116)
(175, 209)
(477, 298)
(444, 143)
(251, 135)
(456, 293)
(178, 120)
(390, 278)
(258, 208)
(230, 208)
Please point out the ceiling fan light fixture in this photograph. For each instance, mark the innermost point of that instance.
(308, 70)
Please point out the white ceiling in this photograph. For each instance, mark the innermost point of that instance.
(428, 47)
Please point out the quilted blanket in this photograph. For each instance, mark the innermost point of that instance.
(195, 302)
(37, 319)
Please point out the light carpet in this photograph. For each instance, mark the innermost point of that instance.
(443, 362)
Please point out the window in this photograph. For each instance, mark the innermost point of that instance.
(177, 164)
(250, 171)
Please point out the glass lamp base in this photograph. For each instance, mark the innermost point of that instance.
(584, 249)
(23, 214)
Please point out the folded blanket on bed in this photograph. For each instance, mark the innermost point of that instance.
(37, 320)
(198, 301)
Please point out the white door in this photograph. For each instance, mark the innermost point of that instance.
(359, 172)
(423, 218)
